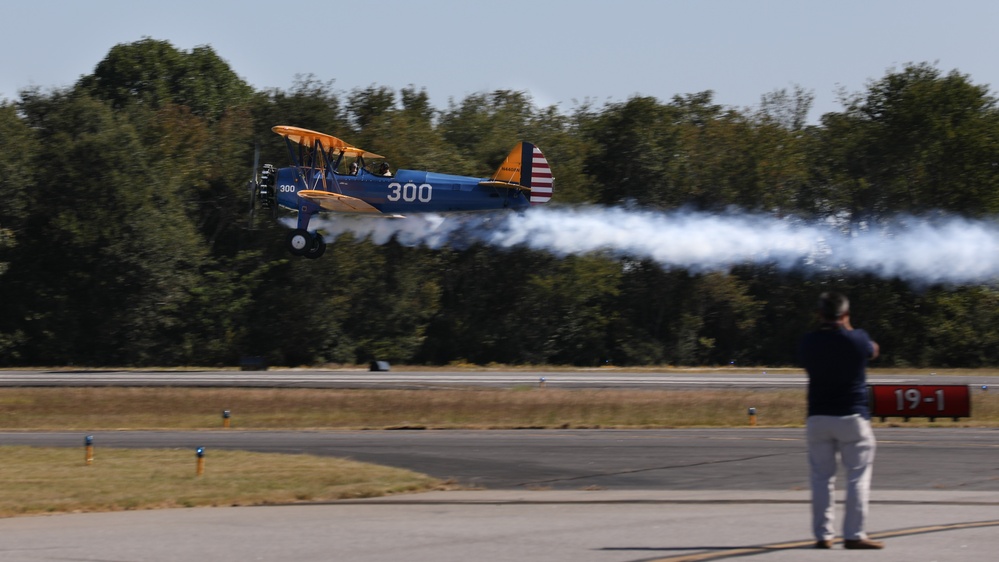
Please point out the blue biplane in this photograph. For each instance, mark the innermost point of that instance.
(329, 175)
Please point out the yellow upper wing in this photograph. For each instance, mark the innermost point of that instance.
(309, 138)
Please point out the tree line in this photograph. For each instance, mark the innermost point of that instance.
(125, 238)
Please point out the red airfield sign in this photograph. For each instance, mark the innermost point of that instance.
(920, 401)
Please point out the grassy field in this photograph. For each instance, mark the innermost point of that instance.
(88, 409)
(47, 480)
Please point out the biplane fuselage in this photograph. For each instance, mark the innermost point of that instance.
(329, 175)
(405, 192)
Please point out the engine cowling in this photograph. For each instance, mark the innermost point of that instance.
(266, 194)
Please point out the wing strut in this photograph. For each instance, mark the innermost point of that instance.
(313, 165)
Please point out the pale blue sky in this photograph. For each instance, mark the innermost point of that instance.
(557, 50)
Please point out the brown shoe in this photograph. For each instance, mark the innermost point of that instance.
(863, 544)
(823, 544)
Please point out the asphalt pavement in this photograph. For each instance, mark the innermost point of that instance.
(495, 526)
(760, 458)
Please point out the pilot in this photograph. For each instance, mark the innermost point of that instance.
(384, 170)
(353, 168)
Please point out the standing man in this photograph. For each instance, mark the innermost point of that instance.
(835, 357)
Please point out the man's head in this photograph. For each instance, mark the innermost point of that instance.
(833, 306)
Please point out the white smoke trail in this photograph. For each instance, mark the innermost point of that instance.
(919, 250)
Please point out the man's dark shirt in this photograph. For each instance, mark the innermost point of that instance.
(836, 362)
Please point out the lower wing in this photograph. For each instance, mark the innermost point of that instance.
(337, 202)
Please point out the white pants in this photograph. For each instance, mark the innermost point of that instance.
(852, 438)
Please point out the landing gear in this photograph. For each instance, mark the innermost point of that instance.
(302, 243)
(299, 242)
(317, 248)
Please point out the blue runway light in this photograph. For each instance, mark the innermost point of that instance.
(200, 465)
(88, 448)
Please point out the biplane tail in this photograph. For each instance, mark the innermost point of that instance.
(526, 168)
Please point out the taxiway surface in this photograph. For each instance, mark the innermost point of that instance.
(960, 459)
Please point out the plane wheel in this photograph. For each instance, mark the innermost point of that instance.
(300, 242)
(317, 249)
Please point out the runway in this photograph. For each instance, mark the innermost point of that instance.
(318, 378)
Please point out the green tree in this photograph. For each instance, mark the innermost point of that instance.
(394, 295)
(573, 307)
(18, 152)
(484, 127)
(292, 320)
(915, 141)
(407, 137)
(634, 143)
(110, 256)
(484, 300)
(154, 73)
(958, 328)
(692, 152)
(366, 105)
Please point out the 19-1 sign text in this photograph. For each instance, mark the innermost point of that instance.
(920, 401)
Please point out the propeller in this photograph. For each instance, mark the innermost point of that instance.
(254, 185)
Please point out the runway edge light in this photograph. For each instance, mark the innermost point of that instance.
(200, 452)
(88, 444)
